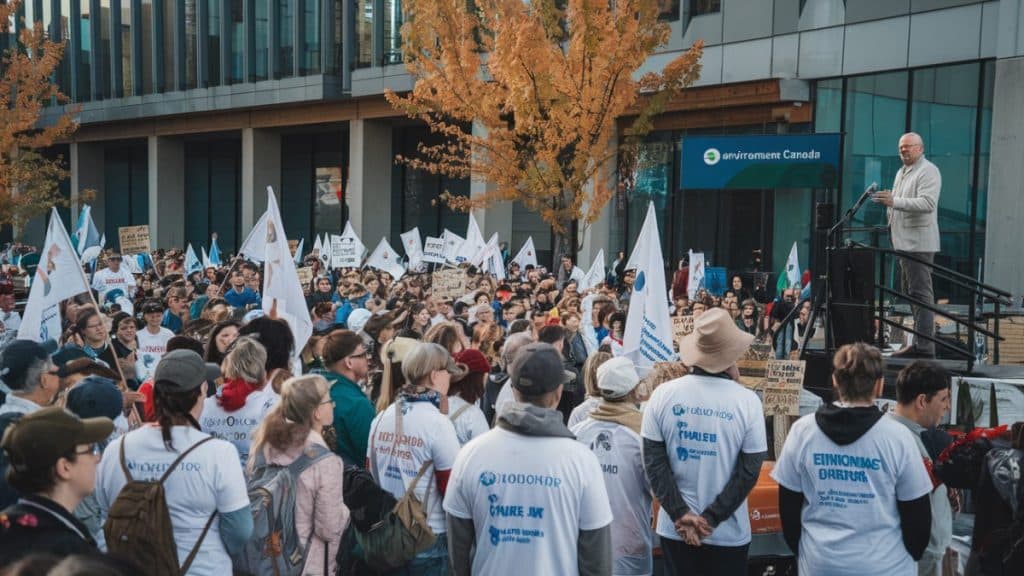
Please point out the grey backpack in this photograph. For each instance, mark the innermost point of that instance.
(274, 547)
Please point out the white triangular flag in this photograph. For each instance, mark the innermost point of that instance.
(192, 263)
(385, 259)
(347, 250)
(452, 245)
(325, 252)
(58, 277)
(282, 291)
(793, 268)
(527, 255)
(696, 278)
(255, 245)
(318, 246)
(596, 273)
(206, 258)
(648, 335)
(481, 254)
(473, 243)
(413, 246)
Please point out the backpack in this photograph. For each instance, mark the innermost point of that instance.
(7, 494)
(138, 524)
(403, 532)
(274, 546)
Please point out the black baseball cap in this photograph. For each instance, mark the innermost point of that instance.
(184, 370)
(538, 369)
(150, 306)
(18, 356)
(94, 397)
(38, 440)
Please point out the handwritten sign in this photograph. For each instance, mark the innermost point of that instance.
(783, 381)
(134, 239)
(345, 252)
(449, 283)
(433, 250)
(681, 326)
(305, 275)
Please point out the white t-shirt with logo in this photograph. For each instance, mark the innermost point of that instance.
(618, 450)
(237, 427)
(426, 435)
(582, 412)
(528, 497)
(151, 348)
(705, 422)
(106, 279)
(850, 521)
(208, 479)
(470, 422)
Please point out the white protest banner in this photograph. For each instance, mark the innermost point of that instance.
(433, 250)
(58, 277)
(449, 283)
(648, 335)
(347, 250)
(782, 384)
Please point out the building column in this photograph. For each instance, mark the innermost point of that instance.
(166, 191)
(1005, 216)
(86, 165)
(369, 183)
(261, 167)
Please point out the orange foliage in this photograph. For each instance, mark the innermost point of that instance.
(28, 179)
(543, 82)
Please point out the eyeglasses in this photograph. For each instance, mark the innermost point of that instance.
(328, 401)
(362, 354)
(93, 449)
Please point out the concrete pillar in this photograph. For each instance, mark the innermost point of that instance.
(1005, 173)
(86, 164)
(166, 191)
(261, 167)
(369, 186)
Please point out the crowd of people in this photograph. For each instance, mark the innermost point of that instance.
(498, 431)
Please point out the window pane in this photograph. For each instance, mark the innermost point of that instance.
(84, 53)
(262, 35)
(311, 47)
(191, 43)
(126, 48)
(392, 31)
(828, 105)
(364, 34)
(237, 41)
(285, 28)
(213, 44)
(698, 7)
(103, 51)
(147, 46)
(168, 45)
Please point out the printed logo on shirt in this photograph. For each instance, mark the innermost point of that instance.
(513, 535)
(160, 468)
(488, 478)
(681, 409)
(603, 441)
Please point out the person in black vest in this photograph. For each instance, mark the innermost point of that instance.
(53, 456)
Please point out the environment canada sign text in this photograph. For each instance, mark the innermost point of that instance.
(781, 161)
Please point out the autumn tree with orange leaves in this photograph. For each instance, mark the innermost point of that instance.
(28, 179)
(528, 95)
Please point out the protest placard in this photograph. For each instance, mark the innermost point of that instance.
(783, 381)
(305, 275)
(345, 252)
(754, 364)
(433, 250)
(134, 239)
(681, 326)
(450, 283)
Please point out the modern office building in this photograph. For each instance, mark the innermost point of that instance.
(190, 108)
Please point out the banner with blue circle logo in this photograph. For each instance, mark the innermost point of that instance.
(757, 162)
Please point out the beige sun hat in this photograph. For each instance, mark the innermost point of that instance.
(716, 343)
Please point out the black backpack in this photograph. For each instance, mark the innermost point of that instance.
(7, 494)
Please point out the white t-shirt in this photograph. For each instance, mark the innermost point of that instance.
(208, 479)
(850, 521)
(618, 450)
(705, 422)
(504, 398)
(426, 435)
(11, 321)
(581, 412)
(106, 279)
(470, 423)
(528, 498)
(237, 427)
(151, 348)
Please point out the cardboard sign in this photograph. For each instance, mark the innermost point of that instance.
(134, 239)
(433, 250)
(305, 275)
(449, 283)
(345, 253)
(681, 326)
(783, 381)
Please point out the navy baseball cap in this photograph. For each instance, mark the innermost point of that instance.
(18, 356)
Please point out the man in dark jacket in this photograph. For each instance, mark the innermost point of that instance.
(53, 456)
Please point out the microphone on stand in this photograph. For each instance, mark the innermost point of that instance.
(864, 197)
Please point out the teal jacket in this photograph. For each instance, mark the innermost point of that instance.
(353, 414)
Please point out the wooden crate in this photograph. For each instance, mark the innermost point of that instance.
(1011, 350)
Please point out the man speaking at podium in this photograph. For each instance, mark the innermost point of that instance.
(913, 221)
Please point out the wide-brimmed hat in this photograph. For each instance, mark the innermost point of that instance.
(716, 343)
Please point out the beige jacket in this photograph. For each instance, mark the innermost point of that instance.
(320, 507)
(913, 218)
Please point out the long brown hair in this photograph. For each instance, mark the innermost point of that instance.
(171, 406)
(288, 424)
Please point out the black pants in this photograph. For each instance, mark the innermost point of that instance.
(682, 559)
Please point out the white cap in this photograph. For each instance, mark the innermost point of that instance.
(357, 319)
(617, 377)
